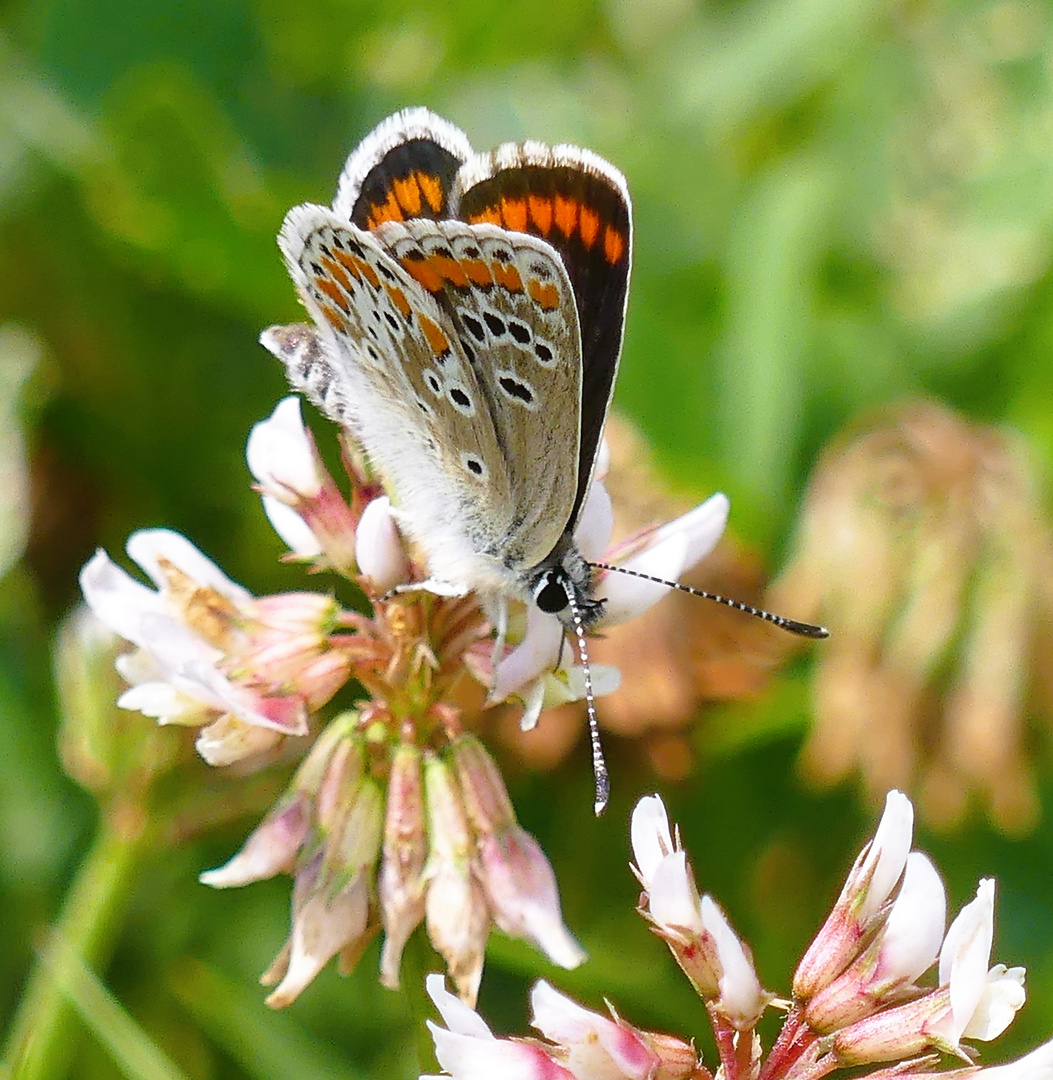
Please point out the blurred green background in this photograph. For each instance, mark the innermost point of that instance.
(838, 203)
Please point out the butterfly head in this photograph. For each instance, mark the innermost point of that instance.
(562, 586)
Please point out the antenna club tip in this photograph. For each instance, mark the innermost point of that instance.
(599, 806)
(809, 631)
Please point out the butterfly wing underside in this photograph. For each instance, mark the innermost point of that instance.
(579, 204)
(508, 297)
(386, 368)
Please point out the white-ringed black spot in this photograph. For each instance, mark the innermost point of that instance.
(392, 321)
(544, 354)
(460, 400)
(517, 390)
(519, 331)
(424, 407)
(475, 327)
(469, 352)
(385, 271)
(434, 382)
(475, 466)
(495, 325)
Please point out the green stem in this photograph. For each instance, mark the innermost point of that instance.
(418, 961)
(37, 1046)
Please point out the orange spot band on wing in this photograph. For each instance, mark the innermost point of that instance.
(588, 226)
(348, 262)
(389, 210)
(337, 272)
(507, 276)
(398, 298)
(338, 321)
(514, 212)
(423, 273)
(566, 213)
(450, 269)
(332, 290)
(431, 188)
(490, 216)
(437, 340)
(541, 213)
(367, 272)
(408, 194)
(545, 295)
(613, 245)
(477, 272)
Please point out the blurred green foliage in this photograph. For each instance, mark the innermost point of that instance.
(837, 202)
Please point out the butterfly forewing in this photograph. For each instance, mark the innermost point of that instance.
(406, 390)
(579, 204)
(511, 305)
(403, 169)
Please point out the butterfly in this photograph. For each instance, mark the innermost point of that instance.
(470, 309)
(469, 312)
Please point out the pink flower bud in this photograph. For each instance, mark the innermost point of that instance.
(401, 886)
(455, 906)
(271, 848)
(870, 883)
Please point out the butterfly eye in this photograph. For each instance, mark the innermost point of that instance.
(550, 593)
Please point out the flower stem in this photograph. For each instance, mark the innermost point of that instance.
(37, 1046)
(418, 961)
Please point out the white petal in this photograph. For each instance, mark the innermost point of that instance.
(912, 936)
(536, 654)
(148, 546)
(459, 1018)
(533, 702)
(671, 551)
(650, 835)
(280, 455)
(118, 600)
(741, 996)
(1038, 1065)
(966, 954)
(467, 1058)
(672, 897)
(379, 552)
(292, 528)
(627, 596)
(887, 854)
(605, 679)
(596, 523)
(596, 1047)
(1002, 999)
(320, 930)
(158, 700)
(228, 740)
(703, 527)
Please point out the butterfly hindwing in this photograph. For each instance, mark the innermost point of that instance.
(511, 305)
(579, 204)
(402, 169)
(403, 387)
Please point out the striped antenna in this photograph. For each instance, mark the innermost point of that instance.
(599, 766)
(803, 629)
